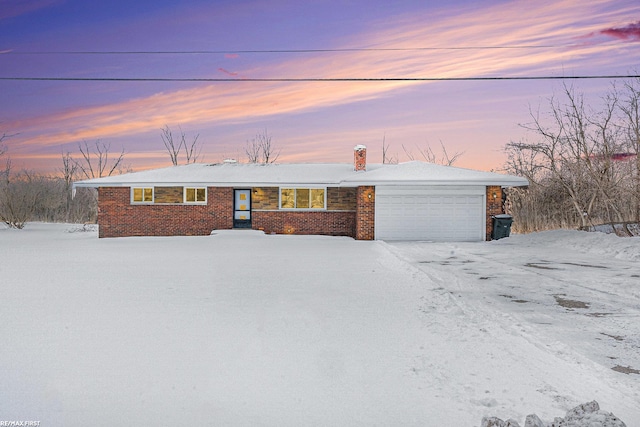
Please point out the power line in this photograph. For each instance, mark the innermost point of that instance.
(208, 52)
(306, 79)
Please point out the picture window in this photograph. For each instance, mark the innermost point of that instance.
(302, 198)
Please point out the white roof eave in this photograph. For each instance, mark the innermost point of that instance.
(297, 175)
(396, 183)
(88, 184)
(349, 183)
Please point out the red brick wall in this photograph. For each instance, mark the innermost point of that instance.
(359, 158)
(494, 206)
(117, 217)
(321, 222)
(365, 212)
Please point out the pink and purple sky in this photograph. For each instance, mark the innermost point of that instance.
(308, 121)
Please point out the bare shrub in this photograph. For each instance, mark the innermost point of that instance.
(20, 196)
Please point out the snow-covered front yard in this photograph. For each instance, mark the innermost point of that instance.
(240, 328)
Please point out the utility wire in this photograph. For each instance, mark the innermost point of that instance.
(339, 79)
(207, 52)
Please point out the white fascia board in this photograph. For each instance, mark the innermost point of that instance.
(86, 184)
(140, 184)
(503, 183)
(425, 190)
(207, 184)
(351, 183)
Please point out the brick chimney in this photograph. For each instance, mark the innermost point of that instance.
(360, 158)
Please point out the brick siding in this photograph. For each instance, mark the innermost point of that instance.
(494, 206)
(341, 198)
(313, 222)
(365, 212)
(267, 198)
(360, 158)
(338, 220)
(117, 217)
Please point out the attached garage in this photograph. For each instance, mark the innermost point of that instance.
(433, 213)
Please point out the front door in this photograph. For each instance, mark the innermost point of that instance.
(242, 209)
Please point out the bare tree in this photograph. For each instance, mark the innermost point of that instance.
(557, 170)
(172, 149)
(7, 167)
(429, 156)
(261, 150)
(96, 161)
(576, 158)
(444, 159)
(602, 167)
(3, 148)
(27, 196)
(252, 151)
(386, 158)
(20, 194)
(5, 173)
(630, 108)
(192, 151)
(68, 171)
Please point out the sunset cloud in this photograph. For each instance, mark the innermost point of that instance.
(548, 29)
(229, 73)
(628, 32)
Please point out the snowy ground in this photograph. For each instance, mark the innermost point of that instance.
(240, 328)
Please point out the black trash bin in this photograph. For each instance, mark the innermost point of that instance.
(501, 226)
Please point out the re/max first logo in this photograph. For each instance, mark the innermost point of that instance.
(19, 423)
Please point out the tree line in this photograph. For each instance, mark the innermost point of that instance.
(29, 196)
(582, 163)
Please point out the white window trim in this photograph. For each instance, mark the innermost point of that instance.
(184, 195)
(296, 187)
(153, 195)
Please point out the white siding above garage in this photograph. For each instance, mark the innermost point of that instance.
(435, 213)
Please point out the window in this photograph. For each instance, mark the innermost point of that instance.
(317, 198)
(169, 195)
(302, 198)
(142, 195)
(195, 195)
(287, 198)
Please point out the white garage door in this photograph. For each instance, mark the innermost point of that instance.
(430, 213)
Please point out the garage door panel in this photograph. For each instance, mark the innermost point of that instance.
(427, 214)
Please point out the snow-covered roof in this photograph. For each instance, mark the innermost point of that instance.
(338, 174)
(423, 173)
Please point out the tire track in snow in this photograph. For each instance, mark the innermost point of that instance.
(459, 272)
